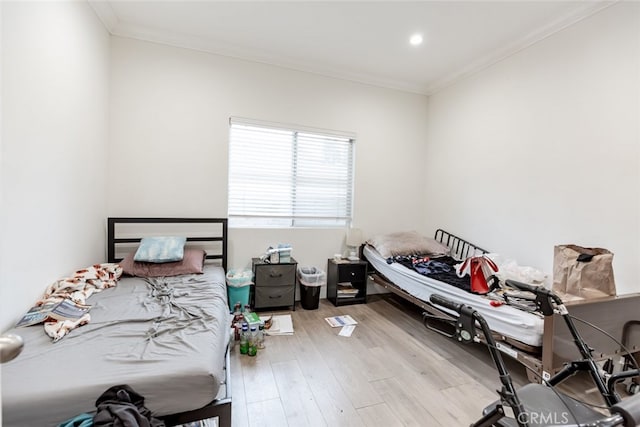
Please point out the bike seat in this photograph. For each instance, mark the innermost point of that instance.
(545, 406)
(629, 409)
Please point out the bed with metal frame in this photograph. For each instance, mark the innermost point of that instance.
(617, 316)
(216, 248)
(165, 337)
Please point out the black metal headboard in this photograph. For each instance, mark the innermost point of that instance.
(219, 235)
(460, 248)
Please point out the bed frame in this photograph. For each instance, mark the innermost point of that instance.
(617, 316)
(216, 248)
(220, 235)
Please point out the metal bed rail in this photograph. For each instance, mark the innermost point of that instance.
(460, 248)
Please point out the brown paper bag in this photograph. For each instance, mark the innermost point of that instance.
(583, 272)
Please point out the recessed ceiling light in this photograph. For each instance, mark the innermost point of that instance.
(416, 39)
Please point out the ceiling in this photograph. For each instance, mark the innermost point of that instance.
(363, 41)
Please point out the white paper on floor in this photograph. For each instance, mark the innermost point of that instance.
(347, 330)
(281, 324)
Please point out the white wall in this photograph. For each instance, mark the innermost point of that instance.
(170, 108)
(54, 144)
(543, 148)
(1, 180)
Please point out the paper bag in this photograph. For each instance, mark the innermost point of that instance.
(583, 272)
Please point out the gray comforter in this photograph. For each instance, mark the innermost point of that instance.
(164, 337)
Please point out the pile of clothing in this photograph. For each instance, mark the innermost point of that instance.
(119, 406)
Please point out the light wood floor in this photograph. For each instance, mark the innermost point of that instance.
(391, 372)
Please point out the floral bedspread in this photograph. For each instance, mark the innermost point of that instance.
(80, 286)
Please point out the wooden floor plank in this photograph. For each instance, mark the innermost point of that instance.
(379, 416)
(301, 408)
(259, 382)
(267, 413)
(344, 360)
(404, 405)
(473, 396)
(391, 371)
(240, 417)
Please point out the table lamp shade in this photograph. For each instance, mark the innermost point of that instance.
(354, 237)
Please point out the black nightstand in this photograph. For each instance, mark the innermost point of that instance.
(275, 284)
(346, 282)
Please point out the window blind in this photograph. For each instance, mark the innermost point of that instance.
(284, 177)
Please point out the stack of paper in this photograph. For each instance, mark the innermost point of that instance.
(347, 322)
(337, 321)
(280, 325)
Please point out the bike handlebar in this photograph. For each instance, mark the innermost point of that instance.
(522, 286)
(541, 293)
(446, 303)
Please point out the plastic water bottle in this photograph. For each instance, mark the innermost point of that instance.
(244, 339)
(253, 337)
(261, 335)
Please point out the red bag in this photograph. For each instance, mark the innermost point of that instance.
(480, 268)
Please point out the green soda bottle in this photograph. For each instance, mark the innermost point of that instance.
(253, 345)
(244, 339)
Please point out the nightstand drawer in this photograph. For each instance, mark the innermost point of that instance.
(275, 275)
(351, 273)
(274, 296)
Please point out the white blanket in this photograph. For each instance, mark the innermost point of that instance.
(78, 288)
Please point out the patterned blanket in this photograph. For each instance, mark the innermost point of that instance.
(78, 288)
(439, 268)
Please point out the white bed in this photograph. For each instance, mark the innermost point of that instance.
(505, 320)
(542, 344)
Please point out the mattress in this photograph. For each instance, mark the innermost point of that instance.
(508, 321)
(164, 337)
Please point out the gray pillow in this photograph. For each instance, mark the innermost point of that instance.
(407, 243)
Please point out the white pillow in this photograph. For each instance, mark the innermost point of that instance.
(407, 243)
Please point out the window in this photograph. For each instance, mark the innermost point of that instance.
(283, 177)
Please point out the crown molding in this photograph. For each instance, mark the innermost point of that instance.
(529, 40)
(200, 44)
(106, 14)
(118, 28)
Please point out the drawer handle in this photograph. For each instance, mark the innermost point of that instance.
(275, 275)
(275, 296)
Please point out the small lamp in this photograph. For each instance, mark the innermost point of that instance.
(354, 239)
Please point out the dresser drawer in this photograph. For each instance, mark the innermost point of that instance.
(351, 273)
(274, 296)
(275, 275)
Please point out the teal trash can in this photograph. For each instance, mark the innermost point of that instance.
(239, 287)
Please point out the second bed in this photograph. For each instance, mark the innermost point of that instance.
(541, 344)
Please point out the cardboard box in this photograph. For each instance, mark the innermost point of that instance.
(252, 319)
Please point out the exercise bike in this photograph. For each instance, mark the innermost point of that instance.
(541, 404)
